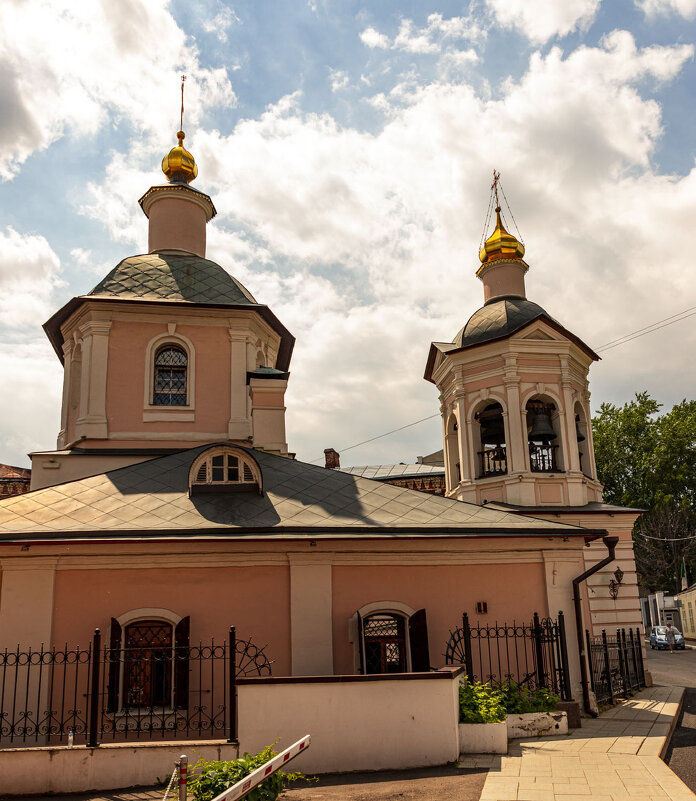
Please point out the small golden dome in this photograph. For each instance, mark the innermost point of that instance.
(179, 165)
(500, 244)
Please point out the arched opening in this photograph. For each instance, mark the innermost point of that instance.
(583, 442)
(454, 468)
(384, 638)
(492, 450)
(544, 436)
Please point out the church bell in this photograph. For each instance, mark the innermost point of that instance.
(579, 435)
(542, 430)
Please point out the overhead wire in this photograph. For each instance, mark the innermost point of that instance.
(641, 332)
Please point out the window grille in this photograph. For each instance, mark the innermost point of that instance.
(147, 666)
(385, 644)
(171, 365)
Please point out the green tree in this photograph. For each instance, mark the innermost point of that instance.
(647, 459)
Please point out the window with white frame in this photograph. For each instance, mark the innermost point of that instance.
(225, 469)
(148, 665)
(392, 641)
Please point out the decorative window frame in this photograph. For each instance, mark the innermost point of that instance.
(375, 608)
(133, 616)
(200, 488)
(156, 413)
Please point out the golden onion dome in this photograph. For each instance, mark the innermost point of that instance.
(500, 244)
(179, 165)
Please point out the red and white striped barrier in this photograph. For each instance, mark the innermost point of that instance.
(255, 778)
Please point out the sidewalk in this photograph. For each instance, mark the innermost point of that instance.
(613, 758)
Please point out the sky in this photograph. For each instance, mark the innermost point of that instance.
(349, 148)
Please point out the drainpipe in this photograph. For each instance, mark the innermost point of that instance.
(610, 542)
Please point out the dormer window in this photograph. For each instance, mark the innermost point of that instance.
(225, 470)
(170, 379)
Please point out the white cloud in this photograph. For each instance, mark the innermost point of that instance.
(654, 8)
(541, 20)
(29, 272)
(372, 38)
(221, 22)
(429, 39)
(47, 88)
(365, 244)
(32, 382)
(339, 80)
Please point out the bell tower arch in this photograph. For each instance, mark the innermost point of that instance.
(516, 383)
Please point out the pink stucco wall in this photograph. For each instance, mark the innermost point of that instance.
(444, 591)
(125, 381)
(254, 599)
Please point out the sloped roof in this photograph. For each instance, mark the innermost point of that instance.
(498, 319)
(151, 499)
(173, 279)
(9, 472)
(380, 472)
(186, 278)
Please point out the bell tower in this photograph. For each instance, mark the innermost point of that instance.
(514, 393)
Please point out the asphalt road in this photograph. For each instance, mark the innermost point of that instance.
(679, 668)
(428, 784)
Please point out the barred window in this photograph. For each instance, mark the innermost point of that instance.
(147, 664)
(385, 644)
(171, 370)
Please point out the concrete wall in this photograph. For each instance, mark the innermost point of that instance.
(34, 771)
(356, 723)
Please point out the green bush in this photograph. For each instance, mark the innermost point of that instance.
(491, 703)
(519, 698)
(480, 703)
(209, 779)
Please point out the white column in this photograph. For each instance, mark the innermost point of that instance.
(516, 444)
(26, 601)
(573, 456)
(239, 425)
(311, 624)
(560, 568)
(67, 368)
(92, 422)
(463, 439)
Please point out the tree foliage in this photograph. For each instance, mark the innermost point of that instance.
(647, 459)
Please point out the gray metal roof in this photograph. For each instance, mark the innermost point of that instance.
(499, 318)
(186, 277)
(380, 472)
(151, 499)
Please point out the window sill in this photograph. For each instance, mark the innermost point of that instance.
(163, 414)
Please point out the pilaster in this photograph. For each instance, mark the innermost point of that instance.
(26, 601)
(311, 626)
(92, 421)
(239, 425)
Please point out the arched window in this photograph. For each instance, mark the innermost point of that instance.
(224, 470)
(543, 436)
(170, 379)
(384, 636)
(493, 452)
(147, 664)
(391, 638)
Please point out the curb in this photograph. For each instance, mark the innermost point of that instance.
(672, 727)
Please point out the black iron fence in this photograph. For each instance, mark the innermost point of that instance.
(100, 694)
(533, 654)
(616, 664)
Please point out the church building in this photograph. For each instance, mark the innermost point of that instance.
(173, 507)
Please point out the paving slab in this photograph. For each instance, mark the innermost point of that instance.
(616, 757)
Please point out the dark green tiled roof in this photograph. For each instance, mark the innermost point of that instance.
(498, 318)
(186, 277)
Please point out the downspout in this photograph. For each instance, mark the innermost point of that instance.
(610, 542)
